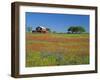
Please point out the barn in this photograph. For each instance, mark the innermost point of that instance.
(40, 29)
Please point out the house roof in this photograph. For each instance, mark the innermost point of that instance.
(42, 27)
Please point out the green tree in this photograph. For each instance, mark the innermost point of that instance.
(76, 29)
(29, 29)
(48, 29)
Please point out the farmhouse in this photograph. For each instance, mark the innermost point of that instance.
(40, 29)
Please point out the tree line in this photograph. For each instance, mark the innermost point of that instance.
(76, 29)
(71, 30)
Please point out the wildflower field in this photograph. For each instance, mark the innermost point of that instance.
(54, 49)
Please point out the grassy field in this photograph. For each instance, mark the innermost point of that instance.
(56, 49)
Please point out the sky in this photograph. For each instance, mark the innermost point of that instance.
(56, 22)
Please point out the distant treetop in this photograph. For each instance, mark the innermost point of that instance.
(76, 29)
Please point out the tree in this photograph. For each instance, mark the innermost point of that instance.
(48, 29)
(76, 29)
(29, 29)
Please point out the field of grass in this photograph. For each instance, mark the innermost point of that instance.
(56, 49)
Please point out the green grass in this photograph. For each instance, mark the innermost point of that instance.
(51, 59)
(49, 53)
(63, 35)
